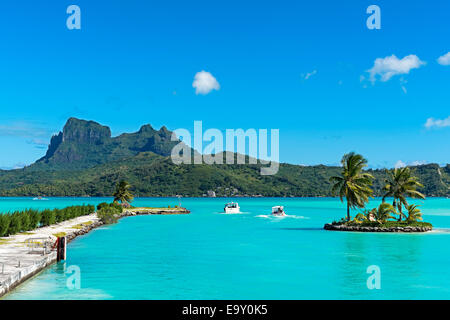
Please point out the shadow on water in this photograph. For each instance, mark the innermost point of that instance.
(405, 251)
(386, 251)
(353, 263)
(60, 267)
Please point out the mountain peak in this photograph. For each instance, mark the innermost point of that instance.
(164, 132)
(146, 128)
(84, 131)
(83, 144)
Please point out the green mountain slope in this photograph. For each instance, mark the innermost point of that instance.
(85, 160)
(84, 144)
(155, 175)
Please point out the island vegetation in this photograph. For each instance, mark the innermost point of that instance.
(84, 160)
(354, 186)
(109, 213)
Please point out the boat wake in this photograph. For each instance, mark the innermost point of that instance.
(288, 216)
(440, 230)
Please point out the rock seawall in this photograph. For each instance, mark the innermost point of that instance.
(126, 213)
(408, 229)
(84, 230)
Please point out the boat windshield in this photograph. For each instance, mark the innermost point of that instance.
(278, 209)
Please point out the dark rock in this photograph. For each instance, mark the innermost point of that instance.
(407, 229)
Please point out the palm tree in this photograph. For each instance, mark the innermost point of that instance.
(414, 213)
(399, 185)
(383, 212)
(360, 217)
(353, 184)
(122, 193)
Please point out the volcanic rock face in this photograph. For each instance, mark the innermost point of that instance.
(87, 132)
(83, 144)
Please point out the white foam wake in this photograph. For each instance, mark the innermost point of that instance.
(288, 216)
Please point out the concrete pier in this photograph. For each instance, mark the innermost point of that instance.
(22, 255)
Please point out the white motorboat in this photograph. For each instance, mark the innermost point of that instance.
(278, 211)
(39, 198)
(232, 207)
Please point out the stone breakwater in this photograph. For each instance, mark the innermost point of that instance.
(83, 230)
(126, 213)
(18, 262)
(341, 227)
(145, 211)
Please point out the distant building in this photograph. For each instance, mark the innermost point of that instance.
(211, 194)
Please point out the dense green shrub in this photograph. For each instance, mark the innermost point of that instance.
(60, 215)
(30, 219)
(25, 220)
(108, 215)
(15, 225)
(102, 205)
(36, 217)
(114, 205)
(5, 220)
(48, 217)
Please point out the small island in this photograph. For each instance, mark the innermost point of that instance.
(354, 184)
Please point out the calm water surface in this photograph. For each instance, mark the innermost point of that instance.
(209, 255)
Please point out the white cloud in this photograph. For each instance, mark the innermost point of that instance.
(38, 143)
(418, 163)
(438, 123)
(402, 84)
(19, 165)
(308, 75)
(399, 164)
(23, 129)
(444, 60)
(388, 67)
(204, 83)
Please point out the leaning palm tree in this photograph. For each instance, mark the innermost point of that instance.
(353, 183)
(122, 193)
(399, 185)
(384, 211)
(414, 213)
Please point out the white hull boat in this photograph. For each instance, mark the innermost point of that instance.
(232, 207)
(278, 211)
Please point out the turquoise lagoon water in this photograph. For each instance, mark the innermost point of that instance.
(209, 255)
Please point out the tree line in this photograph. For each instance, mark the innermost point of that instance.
(354, 184)
(27, 220)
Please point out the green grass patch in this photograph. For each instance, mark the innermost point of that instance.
(60, 234)
(4, 241)
(82, 225)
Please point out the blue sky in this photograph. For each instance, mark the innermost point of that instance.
(297, 66)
